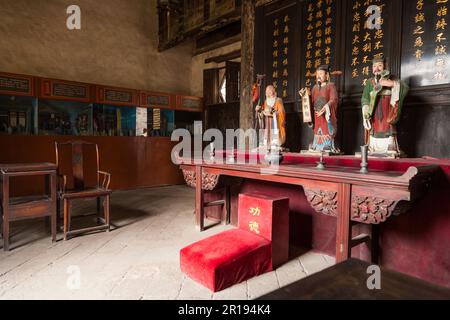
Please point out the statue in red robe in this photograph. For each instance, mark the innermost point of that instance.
(325, 101)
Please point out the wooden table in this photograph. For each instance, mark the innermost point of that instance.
(348, 281)
(21, 208)
(341, 192)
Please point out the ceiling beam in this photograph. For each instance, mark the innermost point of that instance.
(225, 57)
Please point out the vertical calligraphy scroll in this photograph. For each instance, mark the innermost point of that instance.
(280, 65)
(425, 59)
(368, 39)
(319, 33)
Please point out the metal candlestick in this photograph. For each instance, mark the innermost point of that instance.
(230, 158)
(364, 161)
(321, 163)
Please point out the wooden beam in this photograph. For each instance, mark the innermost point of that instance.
(247, 64)
(225, 57)
(219, 44)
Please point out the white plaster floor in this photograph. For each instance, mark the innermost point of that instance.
(138, 259)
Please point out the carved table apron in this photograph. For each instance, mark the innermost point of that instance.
(341, 192)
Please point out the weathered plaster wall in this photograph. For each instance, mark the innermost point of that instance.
(198, 65)
(117, 44)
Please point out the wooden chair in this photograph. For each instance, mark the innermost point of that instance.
(79, 189)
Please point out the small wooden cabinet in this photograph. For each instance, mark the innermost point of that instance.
(30, 207)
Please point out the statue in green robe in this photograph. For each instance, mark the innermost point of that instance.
(382, 104)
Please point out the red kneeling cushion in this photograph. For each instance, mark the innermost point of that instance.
(226, 259)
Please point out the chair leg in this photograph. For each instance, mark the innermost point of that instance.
(58, 213)
(1, 221)
(69, 215)
(66, 217)
(98, 206)
(5, 232)
(106, 211)
(54, 226)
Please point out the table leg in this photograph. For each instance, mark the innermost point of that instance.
(5, 205)
(58, 213)
(375, 244)
(343, 223)
(199, 195)
(5, 235)
(54, 227)
(227, 206)
(55, 208)
(106, 211)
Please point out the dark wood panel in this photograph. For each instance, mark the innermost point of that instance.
(232, 71)
(423, 128)
(352, 136)
(424, 131)
(281, 48)
(223, 117)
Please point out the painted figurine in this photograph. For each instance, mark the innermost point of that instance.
(272, 118)
(324, 100)
(382, 103)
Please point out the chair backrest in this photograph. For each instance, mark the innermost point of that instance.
(71, 159)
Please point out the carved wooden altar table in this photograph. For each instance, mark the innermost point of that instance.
(338, 191)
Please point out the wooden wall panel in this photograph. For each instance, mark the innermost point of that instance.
(223, 117)
(423, 128)
(280, 49)
(136, 162)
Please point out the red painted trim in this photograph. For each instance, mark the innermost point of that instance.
(179, 105)
(31, 79)
(100, 92)
(145, 94)
(46, 90)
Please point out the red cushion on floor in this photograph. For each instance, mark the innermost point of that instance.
(226, 259)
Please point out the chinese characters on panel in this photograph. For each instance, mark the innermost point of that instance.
(425, 58)
(441, 41)
(368, 37)
(254, 225)
(280, 54)
(319, 36)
